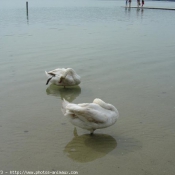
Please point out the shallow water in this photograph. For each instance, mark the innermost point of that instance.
(124, 56)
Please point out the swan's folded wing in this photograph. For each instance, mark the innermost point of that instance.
(87, 114)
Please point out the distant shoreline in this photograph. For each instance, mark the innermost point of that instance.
(156, 8)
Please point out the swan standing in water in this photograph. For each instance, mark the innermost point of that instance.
(63, 77)
(90, 116)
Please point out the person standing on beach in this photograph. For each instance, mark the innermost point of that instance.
(142, 3)
(126, 3)
(138, 3)
(129, 3)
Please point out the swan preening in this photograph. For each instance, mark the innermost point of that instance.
(63, 77)
(90, 116)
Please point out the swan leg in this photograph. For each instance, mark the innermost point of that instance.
(92, 132)
(75, 132)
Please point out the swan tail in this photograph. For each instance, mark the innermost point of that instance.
(47, 75)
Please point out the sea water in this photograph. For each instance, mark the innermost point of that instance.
(124, 56)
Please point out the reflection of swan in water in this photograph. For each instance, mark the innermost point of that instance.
(68, 93)
(86, 148)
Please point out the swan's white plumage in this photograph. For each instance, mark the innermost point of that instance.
(90, 116)
(63, 77)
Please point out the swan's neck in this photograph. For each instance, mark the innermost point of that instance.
(68, 71)
(105, 105)
(102, 104)
(72, 73)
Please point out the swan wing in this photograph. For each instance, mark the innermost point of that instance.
(87, 112)
(57, 71)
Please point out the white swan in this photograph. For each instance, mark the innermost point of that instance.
(63, 77)
(90, 116)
